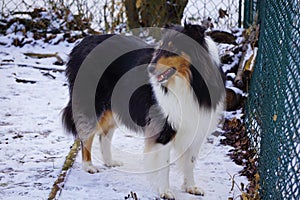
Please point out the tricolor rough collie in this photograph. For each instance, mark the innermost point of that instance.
(173, 93)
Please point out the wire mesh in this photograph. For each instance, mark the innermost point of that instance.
(9, 6)
(106, 15)
(102, 14)
(224, 14)
(273, 111)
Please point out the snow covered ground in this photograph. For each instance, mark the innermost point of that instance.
(33, 144)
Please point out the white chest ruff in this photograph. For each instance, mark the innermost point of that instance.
(184, 113)
(178, 104)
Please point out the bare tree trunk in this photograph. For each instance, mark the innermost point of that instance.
(155, 13)
(132, 14)
(175, 10)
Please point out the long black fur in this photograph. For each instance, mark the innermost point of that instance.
(143, 98)
(140, 102)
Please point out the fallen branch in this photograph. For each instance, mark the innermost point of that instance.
(45, 55)
(49, 75)
(248, 56)
(35, 66)
(19, 80)
(23, 80)
(61, 179)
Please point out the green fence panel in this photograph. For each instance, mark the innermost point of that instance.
(248, 13)
(273, 108)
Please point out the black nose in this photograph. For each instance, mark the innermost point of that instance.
(151, 68)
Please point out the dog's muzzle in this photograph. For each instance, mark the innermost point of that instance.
(161, 76)
(166, 74)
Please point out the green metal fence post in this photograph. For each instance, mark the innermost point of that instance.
(240, 14)
(248, 13)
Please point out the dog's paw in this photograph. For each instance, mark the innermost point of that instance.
(114, 163)
(90, 168)
(167, 194)
(194, 190)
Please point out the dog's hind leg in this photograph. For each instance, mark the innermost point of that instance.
(107, 127)
(86, 148)
(105, 145)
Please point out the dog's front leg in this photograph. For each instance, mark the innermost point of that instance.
(157, 165)
(188, 160)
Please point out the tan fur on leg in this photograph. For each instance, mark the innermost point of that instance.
(86, 156)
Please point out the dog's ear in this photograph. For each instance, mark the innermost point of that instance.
(189, 28)
(194, 31)
(167, 26)
(185, 24)
(172, 27)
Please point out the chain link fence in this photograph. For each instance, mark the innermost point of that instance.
(223, 14)
(273, 110)
(102, 15)
(110, 15)
(273, 107)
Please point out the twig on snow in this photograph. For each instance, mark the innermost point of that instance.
(61, 179)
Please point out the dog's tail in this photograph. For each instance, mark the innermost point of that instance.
(67, 119)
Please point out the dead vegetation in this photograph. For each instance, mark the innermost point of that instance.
(236, 134)
(60, 181)
(49, 25)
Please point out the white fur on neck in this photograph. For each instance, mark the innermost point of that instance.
(212, 50)
(178, 104)
(181, 107)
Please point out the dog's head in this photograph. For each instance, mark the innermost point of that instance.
(174, 55)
